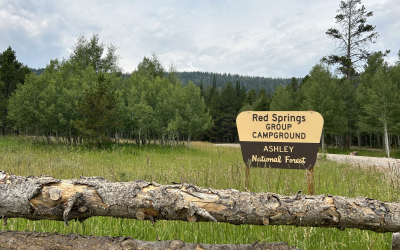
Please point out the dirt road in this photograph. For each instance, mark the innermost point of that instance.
(389, 163)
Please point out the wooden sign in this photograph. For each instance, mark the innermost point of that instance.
(280, 139)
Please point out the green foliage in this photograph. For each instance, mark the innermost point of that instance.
(201, 87)
(190, 117)
(24, 108)
(283, 99)
(248, 82)
(102, 57)
(378, 96)
(263, 102)
(321, 93)
(172, 74)
(251, 97)
(47, 104)
(375, 64)
(240, 95)
(224, 107)
(228, 113)
(206, 78)
(151, 105)
(99, 112)
(12, 73)
(215, 112)
(69, 102)
(294, 84)
(150, 67)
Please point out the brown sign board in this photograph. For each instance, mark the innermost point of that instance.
(280, 139)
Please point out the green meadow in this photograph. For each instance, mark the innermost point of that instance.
(203, 165)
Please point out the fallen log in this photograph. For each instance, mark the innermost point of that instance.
(39, 241)
(43, 197)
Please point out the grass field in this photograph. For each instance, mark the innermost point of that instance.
(204, 165)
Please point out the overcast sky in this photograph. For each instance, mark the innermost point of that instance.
(249, 37)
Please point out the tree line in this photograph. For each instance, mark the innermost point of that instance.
(87, 98)
(249, 82)
(81, 100)
(257, 83)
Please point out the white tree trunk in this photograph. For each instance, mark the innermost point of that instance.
(386, 139)
(140, 141)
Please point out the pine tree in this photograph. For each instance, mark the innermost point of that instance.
(251, 97)
(262, 103)
(353, 38)
(228, 113)
(240, 95)
(215, 112)
(294, 84)
(201, 87)
(214, 82)
(12, 73)
(99, 112)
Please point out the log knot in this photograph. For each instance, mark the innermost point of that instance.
(176, 244)
(55, 194)
(76, 198)
(129, 244)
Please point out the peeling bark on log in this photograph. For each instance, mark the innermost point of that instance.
(44, 241)
(44, 197)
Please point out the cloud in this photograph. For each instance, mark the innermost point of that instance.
(278, 38)
(35, 36)
(387, 24)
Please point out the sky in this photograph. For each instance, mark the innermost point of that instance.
(249, 37)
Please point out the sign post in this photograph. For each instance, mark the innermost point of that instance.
(280, 139)
(310, 181)
(247, 177)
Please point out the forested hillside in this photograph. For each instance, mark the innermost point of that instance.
(257, 83)
(249, 82)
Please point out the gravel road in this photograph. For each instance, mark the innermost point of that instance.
(389, 163)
